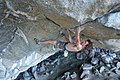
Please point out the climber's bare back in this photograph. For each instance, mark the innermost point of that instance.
(72, 47)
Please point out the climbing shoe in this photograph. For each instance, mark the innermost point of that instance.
(36, 40)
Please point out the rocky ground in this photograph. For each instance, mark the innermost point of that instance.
(90, 64)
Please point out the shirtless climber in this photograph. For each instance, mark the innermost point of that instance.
(70, 45)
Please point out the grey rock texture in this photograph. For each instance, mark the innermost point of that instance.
(58, 67)
(82, 10)
(22, 21)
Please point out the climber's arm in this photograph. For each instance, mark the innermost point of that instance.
(77, 40)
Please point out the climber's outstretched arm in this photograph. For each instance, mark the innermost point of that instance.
(77, 40)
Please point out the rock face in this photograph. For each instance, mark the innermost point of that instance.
(22, 21)
(82, 10)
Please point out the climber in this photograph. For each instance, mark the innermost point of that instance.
(69, 45)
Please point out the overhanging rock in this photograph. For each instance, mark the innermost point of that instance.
(22, 21)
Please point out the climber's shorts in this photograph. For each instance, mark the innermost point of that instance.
(60, 45)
